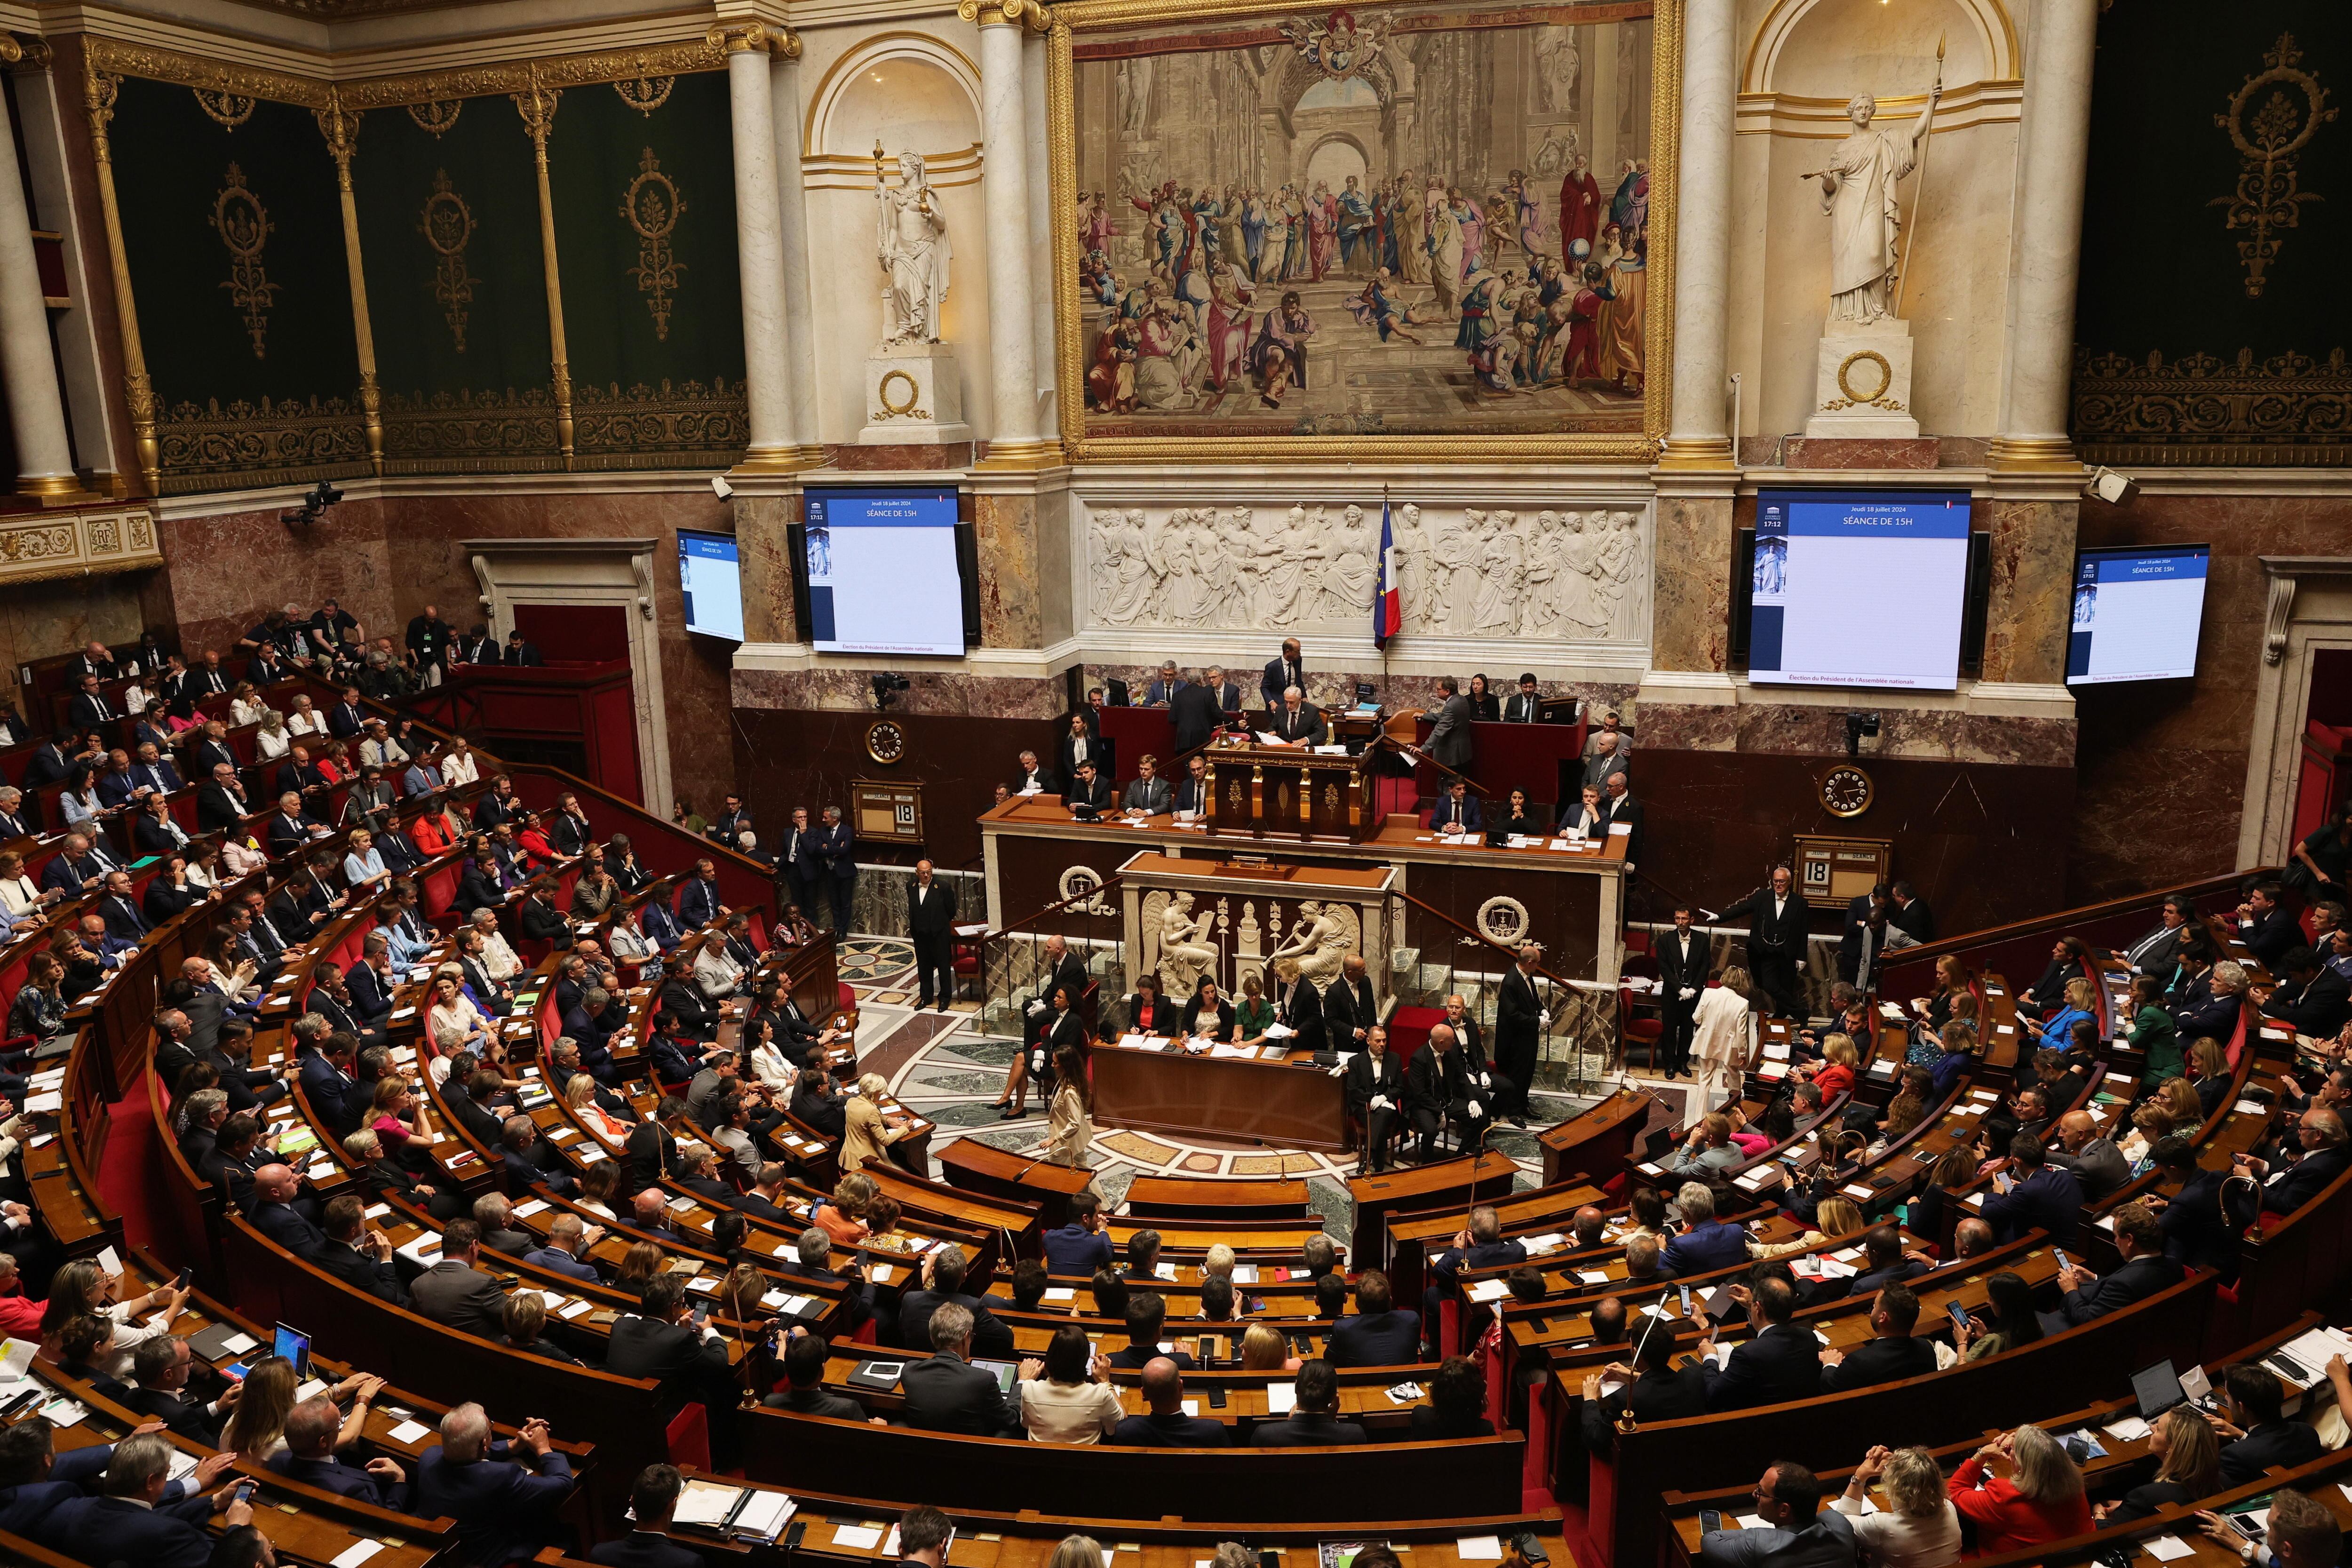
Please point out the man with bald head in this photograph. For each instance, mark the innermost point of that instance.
(1970, 1238)
(275, 1215)
(2096, 1162)
(1166, 1426)
(2287, 1188)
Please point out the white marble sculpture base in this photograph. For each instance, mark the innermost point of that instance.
(914, 398)
(1854, 398)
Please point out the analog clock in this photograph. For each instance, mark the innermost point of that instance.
(1846, 790)
(886, 743)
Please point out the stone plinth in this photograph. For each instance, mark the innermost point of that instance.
(1861, 388)
(914, 398)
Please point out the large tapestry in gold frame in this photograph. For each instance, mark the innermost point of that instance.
(1426, 401)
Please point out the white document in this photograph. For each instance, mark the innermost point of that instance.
(410, 1432)
(2130, 1429)
(858, 1537)
(357, 1553)
(1281, 1399)
(2165, 1548)
(702, 1503)
(1479, 1549)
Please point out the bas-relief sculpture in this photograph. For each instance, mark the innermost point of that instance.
(1570, 575)
(1335, 224)
(1235, 938)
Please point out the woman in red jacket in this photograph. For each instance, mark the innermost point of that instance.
(1840, 1058)
(2041, 1500)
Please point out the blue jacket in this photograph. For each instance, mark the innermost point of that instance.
(1716, 1245)
(22, 1508)
(1384, 1338)
(1176, 1430)
(1442, 814)
(288, 1229)
(111, 1530)
(698, 903)
(333, 1094)
(1074, 1249)
(2051, 1200)
(503, 1510)
(561, 1262)
(345, 1481)
(1782, 1364)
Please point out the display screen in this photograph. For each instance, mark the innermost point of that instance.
(710, 575)
(2137, 614)
(1859, 588)
(881, 571)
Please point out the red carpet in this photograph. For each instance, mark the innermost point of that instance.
(127, 1175)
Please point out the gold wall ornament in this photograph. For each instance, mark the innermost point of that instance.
(99, 91)
(245, 444)
(438, 116)
(646, 93)
(447, 225)
(2269, 128)
(243, 227)
(536, 103)
(657, 427)
(341, 127)
(468, 432)
(2288, 411)
(652, 206)
(228, 108)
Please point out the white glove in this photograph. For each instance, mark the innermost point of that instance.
(1687, 993)
(1380, 1102)
(1036, 1004)
(1543, 1015)
(1036, 1061)
(1485, 1081)
(1801, 967)
(1477, 1111)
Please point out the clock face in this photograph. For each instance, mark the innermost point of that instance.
(886, 743)
(1846, 791)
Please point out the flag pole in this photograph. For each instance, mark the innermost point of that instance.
(1918, 192)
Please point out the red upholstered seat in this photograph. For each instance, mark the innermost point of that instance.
(689, 1438)
(1409, 1028)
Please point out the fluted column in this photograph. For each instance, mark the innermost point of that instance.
(792, 204)
(37, 411)
(759, 246)
(1697, 434)
(2046, 242)
(1014, 440)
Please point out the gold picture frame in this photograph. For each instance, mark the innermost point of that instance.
(1076, 17)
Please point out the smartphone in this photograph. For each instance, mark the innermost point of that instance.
(245, 1491)
(1960, 1318)
(793, 1536)
(701, 1314)
(2245, 1525)
(1709, 1520)
(2060, 1254)
(1217, 1397)
(182, 1283)
(1686, 1290)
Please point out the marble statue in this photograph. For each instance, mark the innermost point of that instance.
(1318, 944)
(911, 244)
(1858, 195)
(1185, 950)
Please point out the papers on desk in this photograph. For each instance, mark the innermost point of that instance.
(1777, 1053)
(1279, 1032)
(705, 1504)
(858, 1537)
(977, 928)
(425, 1251)
(1752, 1522)
(1592, 1276)
(1268, 738)
(1889, 1010)
(1486, 1291)
(2165, 1548)
(1537, 1245)
(573, 1309)
(1479, 1549)
(15, 1358)
(357, 1553)
(310, 1390)
(764, 1515)
(2004, 1028)
(2250, 1107)
(237, 1344)
(36, 1103)
(1281, 1399)
(64, 1412)
(410, 1432)
(2130, 1429)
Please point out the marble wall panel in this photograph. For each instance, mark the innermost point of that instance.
(2032, 552)
(764, 547)
(1012, 597)
(928, 693)
(229, 568)
(40, 620)
(1693, 627)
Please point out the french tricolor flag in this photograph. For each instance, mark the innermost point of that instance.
(1388, 608)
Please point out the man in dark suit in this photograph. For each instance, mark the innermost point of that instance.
(2315, 999)
(698, 902)
(275, 1215)
(1780, 1362)
(1438, 1089)
(1089, 788)
(129, 1520)
(1909, 914)
(1456, 810)
(456, 1293)
(2159, 951)
(651, 1151)
(1705, 1241)
(1524, 706)
(221, 804)
(2045, 1197)
(520, 654)
(2144, 1271)
(946, 1393)
(1167, 1426)
(1197, 709)
(1379, 1334)
(659, 1342)
(1479, 1244)
(941, 1285)
(1032, 777)
(161, 1365)
(1191, 795)
(543, 922)
(310, 1458)
(1164, 690)
(2264, 925)
(1349, 1009)
(1776, 942)
(502, 1496)
(1891, 1353)
(1621, 814)
(652, 1500)
(1449, 735)
(357, 1254)
(1685, 956)
(2287, 1188)
(290, 827)
(2095, 1161)
(1858, 912)
(91, 707)
(804, 1377)
(837, 854)
(1315, 1418)
(1296, 718)
(1149, 793)
(2257, 1434)
(1520, 1019)
(930, 919)
(1147, 1320)
(1659, 1391)
(1281, 674)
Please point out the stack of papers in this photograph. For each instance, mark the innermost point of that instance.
(703, 1503)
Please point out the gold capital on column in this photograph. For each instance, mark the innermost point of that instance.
(1006, 13)
(741, 38)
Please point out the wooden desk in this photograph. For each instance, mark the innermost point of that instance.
(1448, 1184)
(1281, 1099)
(1177, 1197)
(1596, 1143)
(979, 1167)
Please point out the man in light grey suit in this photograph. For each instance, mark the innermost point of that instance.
(1797, 1533)
(2096, 1162)
(1449, 738)
(1149, 792)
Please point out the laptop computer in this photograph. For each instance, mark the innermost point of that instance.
(2157, 1389)
(1004, 1372)
(294, 1346)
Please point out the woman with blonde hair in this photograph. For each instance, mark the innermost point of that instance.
(1080, 1552)
(453, 1023)
(2187, 1468)
(257, 1427)
(2178, 1098)
(1264, 1348)
(245, 704)
(1841, 1059)
(580, 1094)
(2041, 1500)
(1918, 1527)
(868, 1132)
(1833, 1215)
(843, 1215)
(640, 1264)
(84, 1288)
(1723, 1038)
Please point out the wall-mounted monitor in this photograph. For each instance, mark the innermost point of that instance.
(883, 570)
(710, 576)
(2137, 614)
(1858, 588)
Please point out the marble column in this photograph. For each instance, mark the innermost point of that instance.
(2046, 246)
(792, 193)
(1014, 440)
(1041, 230)
(36, 410)
(759, 243)
(1698, 432)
